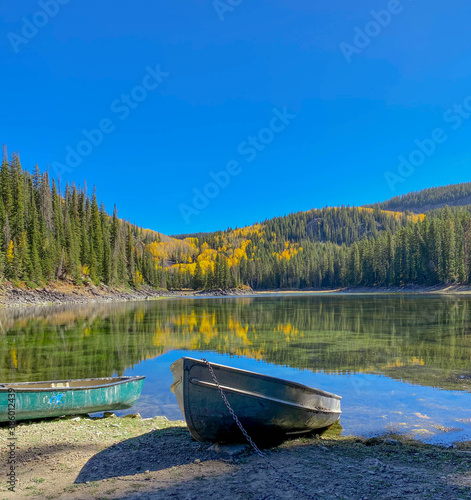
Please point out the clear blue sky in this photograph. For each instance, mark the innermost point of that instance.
(67, 68)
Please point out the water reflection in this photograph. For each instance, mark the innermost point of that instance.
(400, 362)
(424, 340)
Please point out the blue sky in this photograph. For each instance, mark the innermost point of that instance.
(351, 104)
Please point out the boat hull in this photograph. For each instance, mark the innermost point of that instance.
(270, 409)
(36, 400)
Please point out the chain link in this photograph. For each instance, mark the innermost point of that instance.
(257, 450)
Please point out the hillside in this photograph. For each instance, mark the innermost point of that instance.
(332, 247)
(51, 234)
(55, 234)
(453, 195)
(342, 246)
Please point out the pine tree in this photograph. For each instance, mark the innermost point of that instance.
(96, 239)
(198, 278)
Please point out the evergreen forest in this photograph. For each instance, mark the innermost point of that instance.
(61, 233)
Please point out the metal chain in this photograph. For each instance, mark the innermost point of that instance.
(257, 450)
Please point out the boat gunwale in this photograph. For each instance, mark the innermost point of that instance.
(257, 395)
(295, 385)
(13, 385)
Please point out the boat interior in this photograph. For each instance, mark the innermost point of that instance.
(61, 384)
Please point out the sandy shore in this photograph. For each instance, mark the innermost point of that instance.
(120, 458)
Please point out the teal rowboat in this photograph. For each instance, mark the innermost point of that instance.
(32, 400)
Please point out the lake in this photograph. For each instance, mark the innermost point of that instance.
(402, 363)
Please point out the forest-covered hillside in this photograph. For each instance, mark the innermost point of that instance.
(345, 247)
(452, 195)
(51, 232)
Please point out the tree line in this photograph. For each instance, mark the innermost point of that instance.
(350, 247)
(49, 234)
(428, 199)
(436, 250)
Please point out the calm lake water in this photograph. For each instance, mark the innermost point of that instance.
(401, 363)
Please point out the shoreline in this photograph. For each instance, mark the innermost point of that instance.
(393, 290)
(129, 457)
(63, 293)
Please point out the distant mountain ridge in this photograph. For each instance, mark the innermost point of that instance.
(453, 195)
